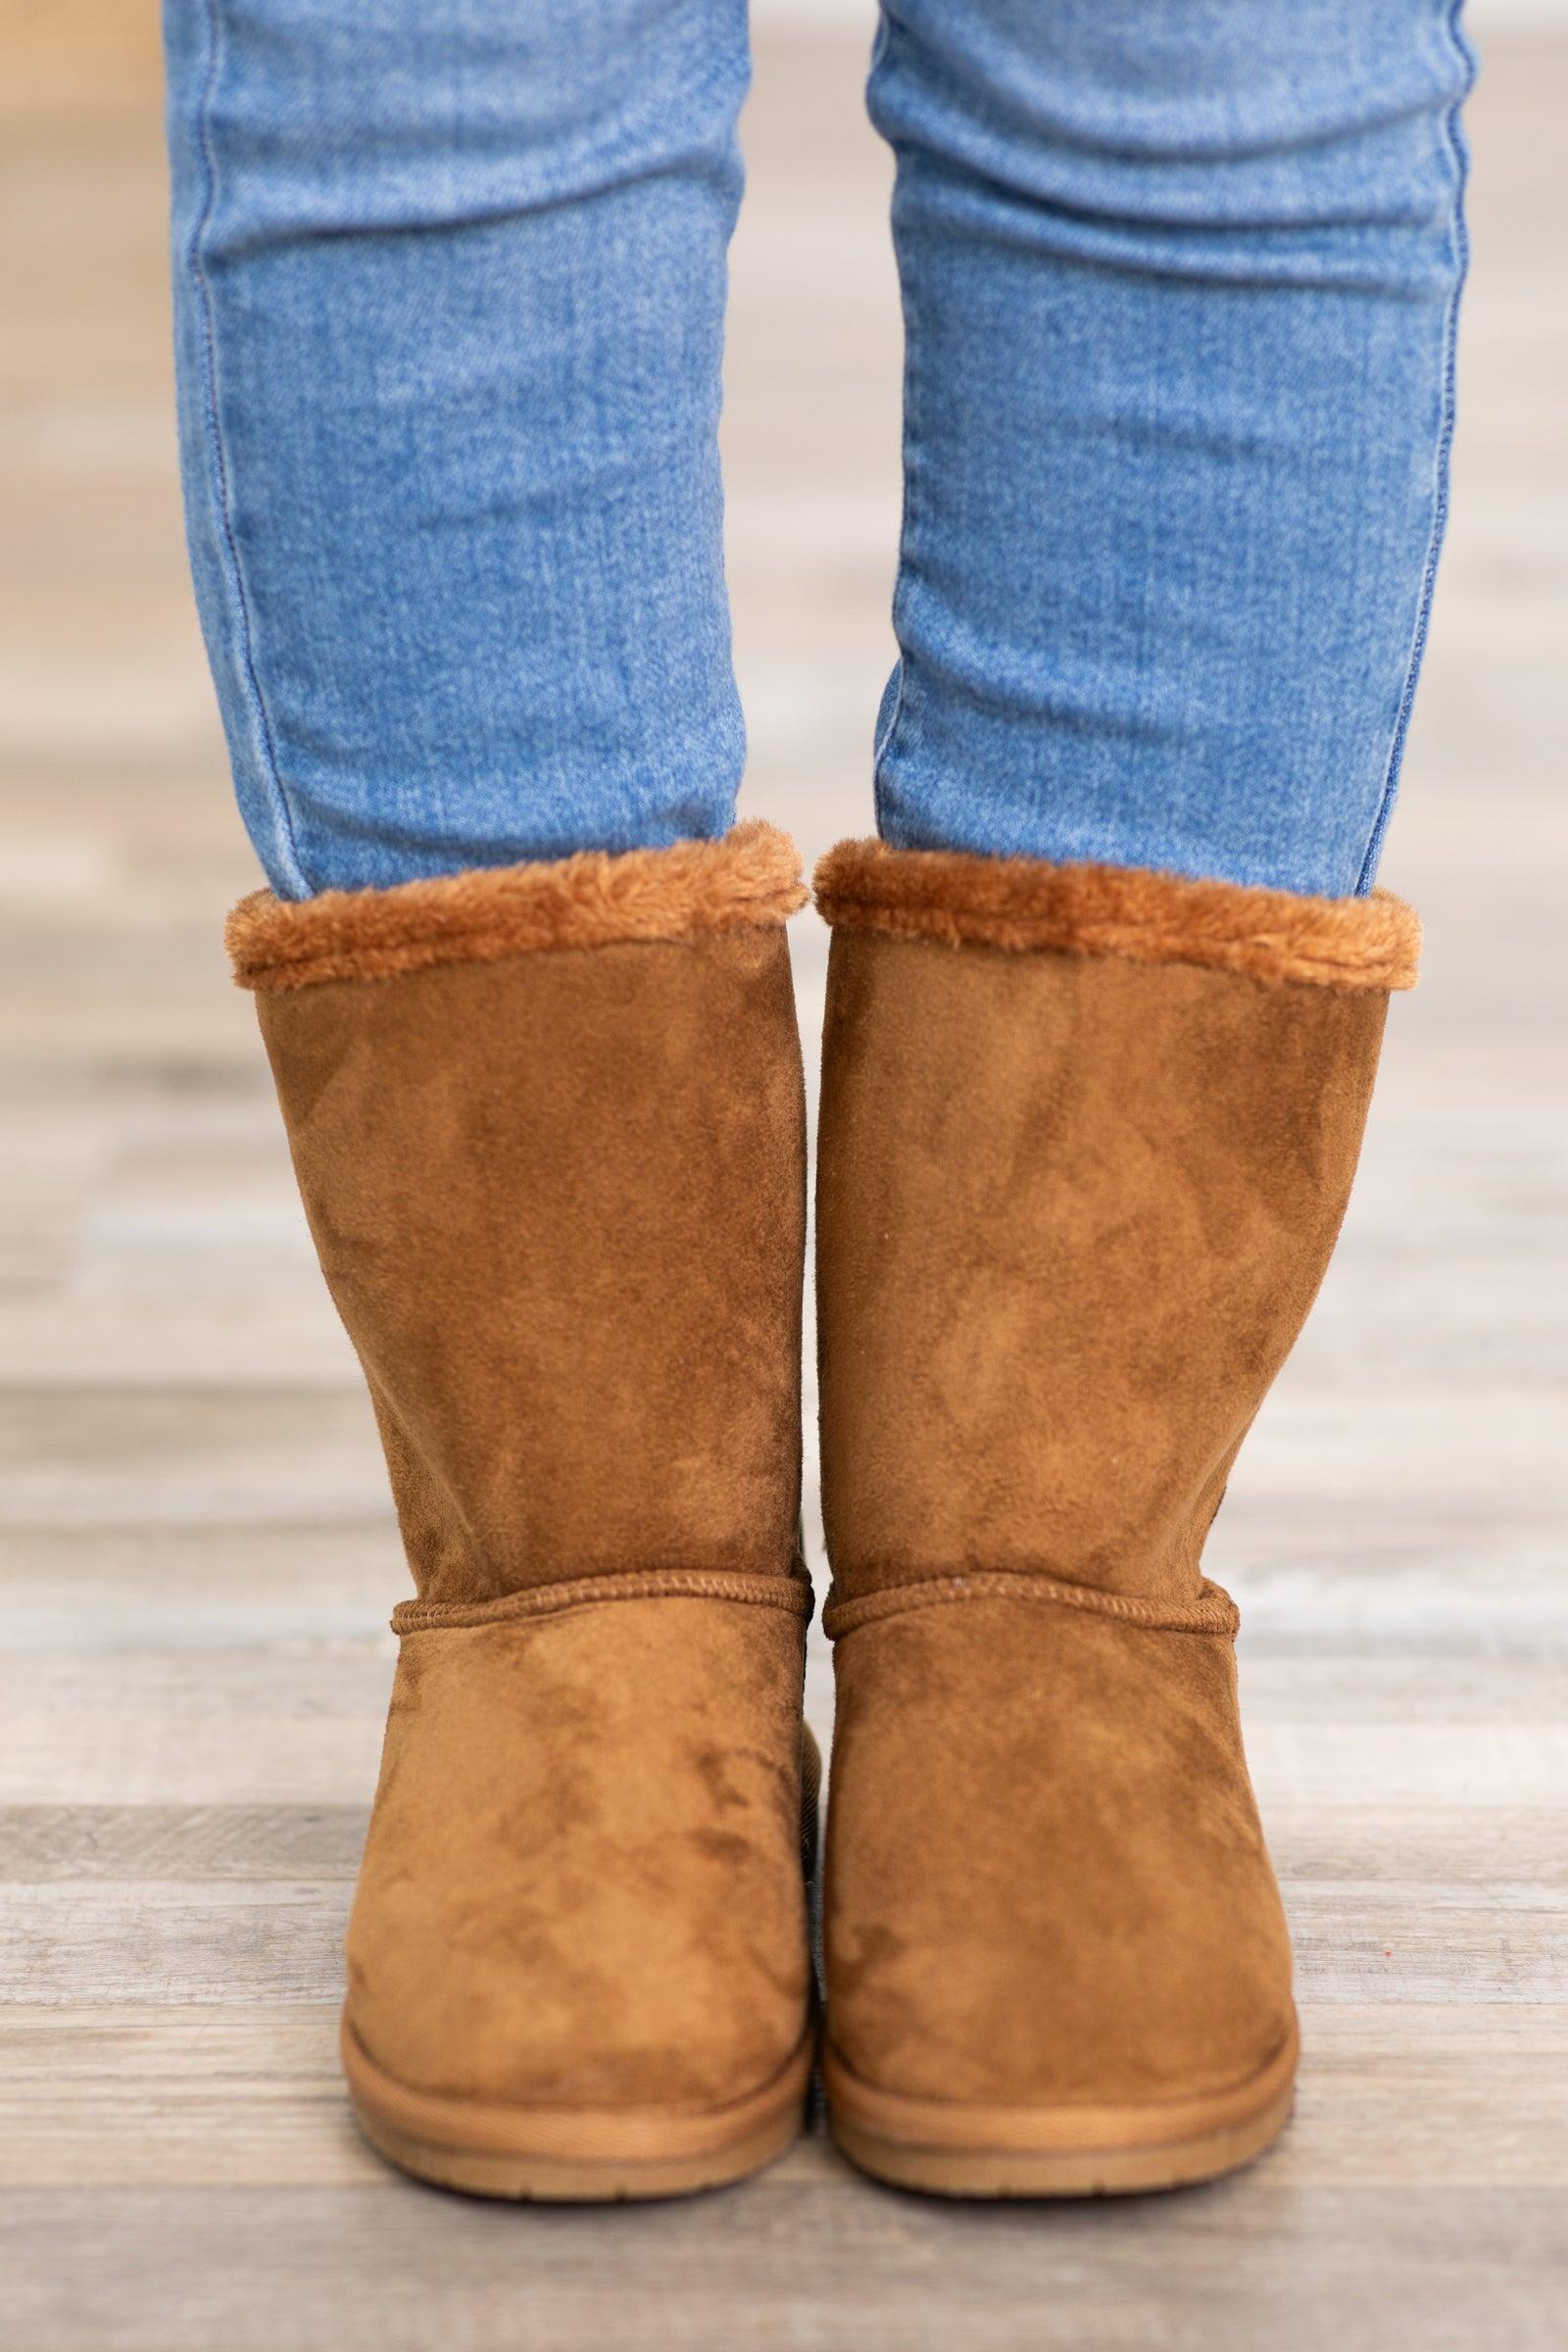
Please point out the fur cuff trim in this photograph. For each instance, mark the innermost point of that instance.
(749, 879)
(1022, 902)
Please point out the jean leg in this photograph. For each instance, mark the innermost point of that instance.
(449, 289)
(1180, 288)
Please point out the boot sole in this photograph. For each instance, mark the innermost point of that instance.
(574, 2155)
(954, 2150)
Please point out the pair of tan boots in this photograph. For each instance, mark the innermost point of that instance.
(1086, 1140)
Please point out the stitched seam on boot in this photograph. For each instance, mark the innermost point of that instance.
(1214, 1612)
(792, 1593)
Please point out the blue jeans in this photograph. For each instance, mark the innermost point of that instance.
(1179, 282)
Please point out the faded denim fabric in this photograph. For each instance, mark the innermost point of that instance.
(1180, 281)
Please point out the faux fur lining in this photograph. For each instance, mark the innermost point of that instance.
(792, 1593)
(749, 879)
(1022, 902)
(1212, 1612)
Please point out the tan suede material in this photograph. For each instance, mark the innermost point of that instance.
(583, 1882)
(558, 1197)
(1072, 1209)
(1045, 1874)
(560, 1205)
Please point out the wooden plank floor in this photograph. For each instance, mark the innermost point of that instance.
(198, 1557)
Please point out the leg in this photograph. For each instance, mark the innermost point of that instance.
(1180, 290)
(1180, 287)
(449, 284)
(448, 294)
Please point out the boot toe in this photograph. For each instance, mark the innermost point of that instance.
(582, 1895)
(1052, 1923)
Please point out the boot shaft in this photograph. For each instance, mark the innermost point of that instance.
(1087, 1139)
(549, 1130)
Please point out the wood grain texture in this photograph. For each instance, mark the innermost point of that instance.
(197, 1557)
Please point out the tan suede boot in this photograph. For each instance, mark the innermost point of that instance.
(1087, 1137)
(547, 1125)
